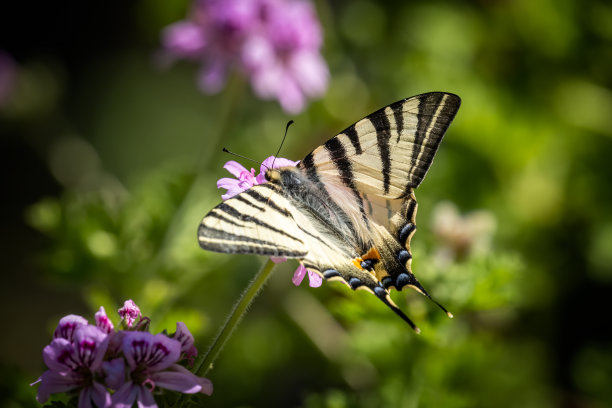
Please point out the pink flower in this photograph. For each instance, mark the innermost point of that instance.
(129, 312)
(74, 365)
(275, 43)
(300, 272)
(103, 322)
(151, 362)
(246, 180)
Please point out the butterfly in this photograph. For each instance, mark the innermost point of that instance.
(347, 210)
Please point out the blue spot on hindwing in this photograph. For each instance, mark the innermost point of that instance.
(355, 283)
(403, 256)
(380, 292)
(405, 232)
(402, 280)
(387, 281)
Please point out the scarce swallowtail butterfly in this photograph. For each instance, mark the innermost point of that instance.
(347, 210)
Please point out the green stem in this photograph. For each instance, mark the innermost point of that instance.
(205, 364)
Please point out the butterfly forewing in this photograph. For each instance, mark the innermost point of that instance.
(258, 221)
(388, 152)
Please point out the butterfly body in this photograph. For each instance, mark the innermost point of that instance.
(347, 210)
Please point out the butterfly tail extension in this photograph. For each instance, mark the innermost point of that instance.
(383, 295)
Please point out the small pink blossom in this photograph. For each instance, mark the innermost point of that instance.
(129, 312)
(314, 278)
(246, 179)
(103, 322)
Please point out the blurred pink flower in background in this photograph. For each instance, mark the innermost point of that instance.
(274, 43)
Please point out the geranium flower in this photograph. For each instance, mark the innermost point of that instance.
(246, 179)
(151, 362)
(275, 43)
(76, 365)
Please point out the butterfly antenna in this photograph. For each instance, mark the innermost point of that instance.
(282, 141)
(383, 295)
(243, 157)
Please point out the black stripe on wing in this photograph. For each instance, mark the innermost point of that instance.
(217, 240)
(383, 135)
(337, 153)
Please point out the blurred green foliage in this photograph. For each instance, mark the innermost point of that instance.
(133, 154)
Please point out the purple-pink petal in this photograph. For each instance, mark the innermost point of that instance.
(52, 382)
(58, 356)
(145, 398)
(67, 325)
(103, 322)
(184, 336)
(231, 185)
(234, 168)
(273, 162)
(310, 72)
(315, 279)
(298, 275)
(289, 94)
(96, 393)
(125, 396)
(184, 39)
(178, 378)
(155, 352)
(130, 392)
(90, 344)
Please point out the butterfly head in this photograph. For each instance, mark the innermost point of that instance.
(273, 175)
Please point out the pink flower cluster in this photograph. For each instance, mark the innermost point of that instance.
(117, 368)
(275, 43)
(246, 179)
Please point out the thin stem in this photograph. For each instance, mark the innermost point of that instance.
(205, 364)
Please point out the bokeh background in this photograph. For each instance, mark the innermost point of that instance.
(109, 160)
